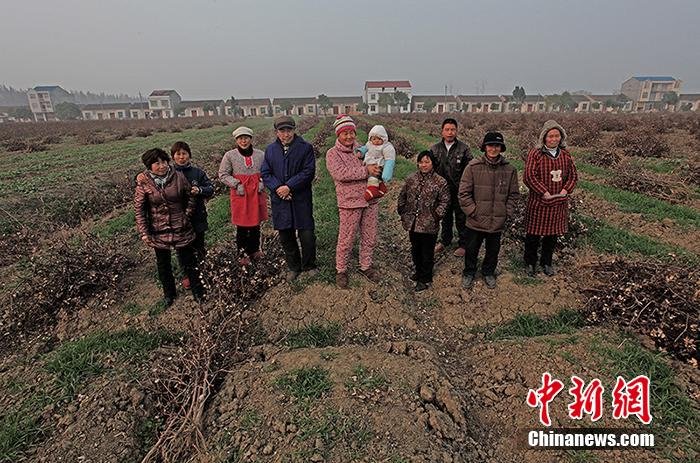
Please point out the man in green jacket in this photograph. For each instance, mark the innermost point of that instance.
(487, 194)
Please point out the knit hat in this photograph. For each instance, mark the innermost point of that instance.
(379, 131)
(285, 122)
(242, 130)
(493, 138)
(153, 155)
(549, 125)
(343, 123)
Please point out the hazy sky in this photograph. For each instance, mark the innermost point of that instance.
(220, 48)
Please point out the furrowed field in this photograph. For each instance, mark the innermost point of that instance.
(92, 368)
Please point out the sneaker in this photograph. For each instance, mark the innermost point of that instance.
(439, 248)
(371, 274)
(467, 281)
(383, 189)
(549, 270)
(420, 286)
(291, 275)
(531, 271)
(244, 261)
(490, 281)
(341, 280)
(257, 255)
(186, 283)
(460, 252)
(312, 272)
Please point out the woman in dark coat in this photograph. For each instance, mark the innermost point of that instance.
(550, 174)
(164, 207)
(423, 202)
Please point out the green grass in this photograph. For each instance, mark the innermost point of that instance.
(20, 427)
(219, 220)
(76, 361)
(119, 225)
(661, 166)
(527, 325)
(650, 208)
(333, 428)
(250, 420)
(314, 335)
(306, 383)
(606, 238)
(672, 411)
(365, 379)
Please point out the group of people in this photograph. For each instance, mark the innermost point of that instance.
(450, 190)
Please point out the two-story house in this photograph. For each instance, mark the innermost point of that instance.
(647, 92)
(374, 88)
(43, 100)
(163, 103)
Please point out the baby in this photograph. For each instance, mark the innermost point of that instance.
(378, 151)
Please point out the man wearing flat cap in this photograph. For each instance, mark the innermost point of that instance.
(288, 170)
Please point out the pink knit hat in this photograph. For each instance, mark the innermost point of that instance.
(342, 123)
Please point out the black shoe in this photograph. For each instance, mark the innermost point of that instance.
(420, 286)
(198, 297)
(467, 281)
(531, 271)
(168, 301)
(414, 277)
(490, 281)
(549, 270)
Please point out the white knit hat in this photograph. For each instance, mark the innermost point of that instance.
(242, 130)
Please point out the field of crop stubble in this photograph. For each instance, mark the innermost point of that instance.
(92, 366)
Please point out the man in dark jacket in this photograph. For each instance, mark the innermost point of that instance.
(288, 170)
(453, 156)
(487, 195)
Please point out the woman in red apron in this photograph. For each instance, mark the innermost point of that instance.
(240, 171)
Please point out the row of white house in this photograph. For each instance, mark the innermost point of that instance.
(641, 93)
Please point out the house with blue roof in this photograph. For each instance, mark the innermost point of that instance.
(647, 92)
(43, 100)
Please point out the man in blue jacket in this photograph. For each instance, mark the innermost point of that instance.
(287, 171)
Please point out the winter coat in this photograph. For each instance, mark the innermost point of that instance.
(297, 170)
(547, 173)
(383, 155)
(423, 201)
(349, 174)
(163, 214)
(451, 165)
(250, 209)
(487, 194)
(197, 177)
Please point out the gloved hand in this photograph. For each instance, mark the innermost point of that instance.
(240, 190)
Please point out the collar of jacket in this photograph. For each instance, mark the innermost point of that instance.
(454, 143)
(180, 168)
(496, 162)
(294, 140)
(345, 149)
(166, 178)
(546, 152)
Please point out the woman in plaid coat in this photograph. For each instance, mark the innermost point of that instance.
(550, 175)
